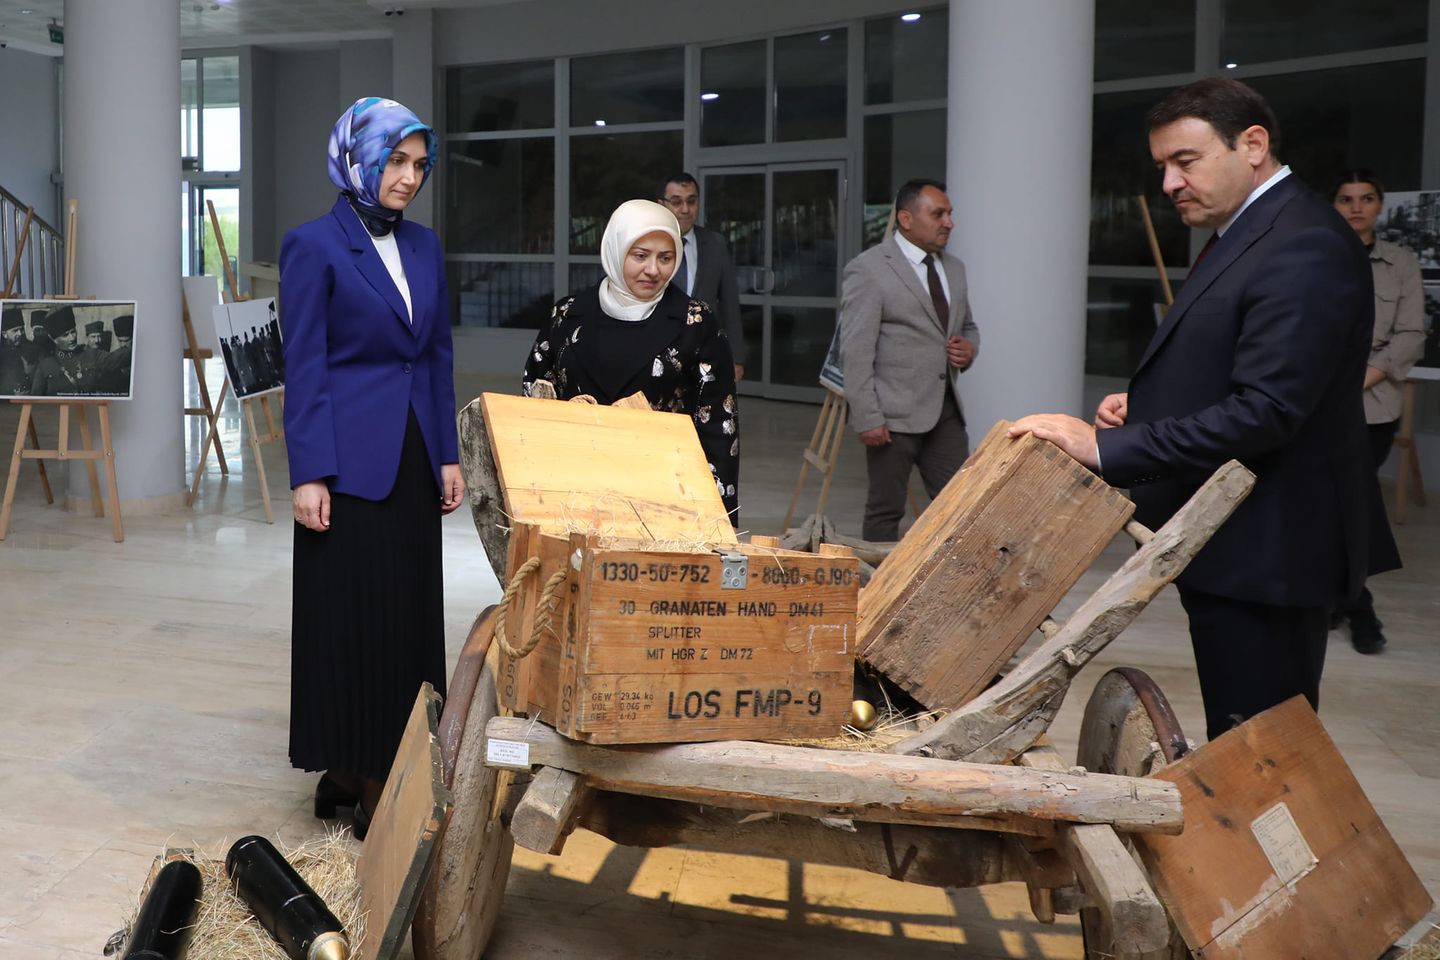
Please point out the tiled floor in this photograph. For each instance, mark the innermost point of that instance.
(144, 697)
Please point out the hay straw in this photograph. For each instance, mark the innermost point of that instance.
(890, 728)
(1427, 949)
(224, 926)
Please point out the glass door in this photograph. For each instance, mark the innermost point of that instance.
(785, 230)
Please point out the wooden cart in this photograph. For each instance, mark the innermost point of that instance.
(979, 797)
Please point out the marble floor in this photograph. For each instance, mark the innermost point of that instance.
(144, 698)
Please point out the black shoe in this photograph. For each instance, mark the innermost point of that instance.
(329, 795)
(362, 821)
(1365, 635)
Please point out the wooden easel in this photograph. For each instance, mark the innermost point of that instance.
(1155, 251)
(62, 451)
(197, 356)
(823, 452)
(12, 277)
(1408, 470)
(248, 404)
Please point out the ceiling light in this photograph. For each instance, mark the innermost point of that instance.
(1231, 66)
(26, 13)
(824, 37)
(599, 123)
(909, 17)
(709, 96)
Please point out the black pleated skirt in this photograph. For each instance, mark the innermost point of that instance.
(367, 622)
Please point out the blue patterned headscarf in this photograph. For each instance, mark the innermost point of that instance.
(360, 146)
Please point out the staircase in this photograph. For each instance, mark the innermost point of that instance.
(41, 269)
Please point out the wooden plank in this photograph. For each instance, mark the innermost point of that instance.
(984, 564)
(1008, 718)
(1282, 854)
(482, 486)
(547, 813)
(400, 846)
(608, 470)
(1109, 874)
(933, 856)
(833, 783)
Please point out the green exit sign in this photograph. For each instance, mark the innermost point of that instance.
(57, 34)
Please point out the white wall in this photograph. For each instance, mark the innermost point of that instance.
(306, 104)
(525, 30)
(296, 96)
(364, 72)
(30, 119)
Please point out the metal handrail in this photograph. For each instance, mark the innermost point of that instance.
(42, 262)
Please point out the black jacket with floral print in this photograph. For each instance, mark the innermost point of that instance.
(682, 364)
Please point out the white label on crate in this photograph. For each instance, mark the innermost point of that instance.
(507, 753)
(1280, 838)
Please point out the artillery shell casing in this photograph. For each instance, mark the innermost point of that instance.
(167, 917)
(283, 902)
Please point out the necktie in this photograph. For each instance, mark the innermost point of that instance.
(682, 275)
(937, 292)
(1209, 244)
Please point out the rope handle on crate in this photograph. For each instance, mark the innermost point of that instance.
(544, 609)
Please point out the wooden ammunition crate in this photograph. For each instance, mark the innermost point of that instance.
(649, 644)
(655, 634)
(983, 566)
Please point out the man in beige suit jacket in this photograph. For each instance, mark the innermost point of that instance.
(906, 335)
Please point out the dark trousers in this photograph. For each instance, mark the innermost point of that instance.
(1251, 656)
(1382, 437)
(938, 453)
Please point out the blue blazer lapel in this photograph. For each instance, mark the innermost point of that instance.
(368, 262)
(1254, 223)
(417, 277)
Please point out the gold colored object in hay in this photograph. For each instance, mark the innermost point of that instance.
(862, 715)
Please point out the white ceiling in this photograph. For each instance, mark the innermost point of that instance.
(213, 23)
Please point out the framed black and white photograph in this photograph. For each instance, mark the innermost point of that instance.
(249, 334)
(74, 348)
(1412, 220)
(1428, 368)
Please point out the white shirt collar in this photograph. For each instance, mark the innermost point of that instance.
(1275, 178)
(912, 253)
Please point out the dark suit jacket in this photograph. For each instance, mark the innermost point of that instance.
(354, 363)
(682, 364)
(715, 286)
(1261, 359)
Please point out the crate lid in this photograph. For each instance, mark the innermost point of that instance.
(608, 470)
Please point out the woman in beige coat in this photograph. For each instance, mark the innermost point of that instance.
(1398, 342)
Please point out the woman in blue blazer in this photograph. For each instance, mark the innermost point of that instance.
(370, 428)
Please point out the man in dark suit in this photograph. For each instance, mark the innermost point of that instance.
(1260, 359)
(706, 271)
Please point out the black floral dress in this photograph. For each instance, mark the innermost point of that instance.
(678, 357)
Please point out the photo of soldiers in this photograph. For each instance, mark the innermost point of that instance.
(67, 350)
(249, 334)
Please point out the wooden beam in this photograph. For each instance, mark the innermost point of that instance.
(838, 783)
(933, 856)
(1007, 719)
(547, 812)
(1116, 884)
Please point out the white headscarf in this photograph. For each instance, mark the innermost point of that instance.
(632, 220)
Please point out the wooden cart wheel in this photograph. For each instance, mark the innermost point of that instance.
(1129, 730)
(462, 897)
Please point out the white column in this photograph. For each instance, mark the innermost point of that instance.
(413, 62)
(1018, 172)
(122, 162)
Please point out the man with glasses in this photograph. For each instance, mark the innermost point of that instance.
(706, 271)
